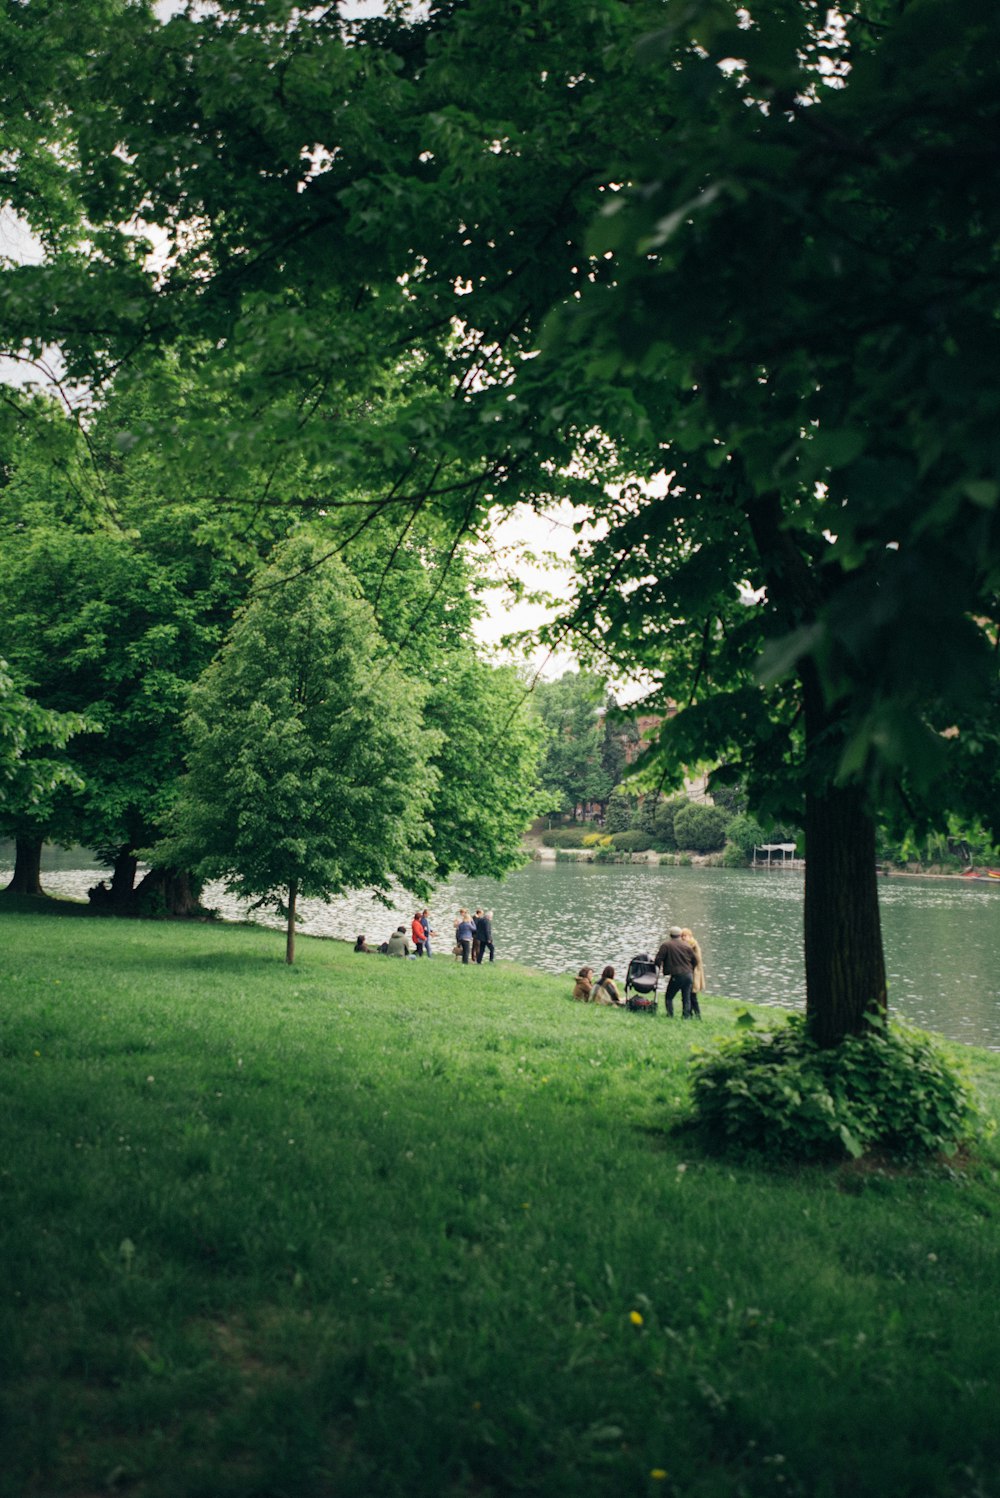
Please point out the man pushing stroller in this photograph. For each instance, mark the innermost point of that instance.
(676, 960)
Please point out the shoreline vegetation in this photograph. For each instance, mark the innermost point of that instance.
(541, 853)
(413, 1228)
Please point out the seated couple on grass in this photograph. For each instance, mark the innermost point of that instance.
(604, 991)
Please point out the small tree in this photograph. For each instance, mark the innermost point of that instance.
(619, 813)
(308, 762)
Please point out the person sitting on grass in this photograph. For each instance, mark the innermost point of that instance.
(605, 990)
(397, 945)
(584, 985)
(361, 945)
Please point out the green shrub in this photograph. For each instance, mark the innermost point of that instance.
(631, 842)
(777, 1092)
(702, 828)
(565, 837)
(745, 833)
(596, 840)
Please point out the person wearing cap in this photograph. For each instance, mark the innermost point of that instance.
(676, 960)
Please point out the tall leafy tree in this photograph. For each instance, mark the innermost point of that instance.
(746, 248)
(32, 767)
(113, 601)
(308, 764)
(583, 757)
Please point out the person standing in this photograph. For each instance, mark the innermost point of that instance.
(464, 932)
(675, 959)
(484, 934)
(698, 983)
(425, 921)
(417, 934)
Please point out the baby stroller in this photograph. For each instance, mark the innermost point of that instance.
(641, 982)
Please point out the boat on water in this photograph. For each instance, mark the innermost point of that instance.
(986, 876)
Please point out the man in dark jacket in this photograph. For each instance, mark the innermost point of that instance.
(676, 961)
(484, 933)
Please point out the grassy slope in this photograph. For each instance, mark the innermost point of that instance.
(383, 1228)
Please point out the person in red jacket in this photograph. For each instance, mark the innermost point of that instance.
(418, 934)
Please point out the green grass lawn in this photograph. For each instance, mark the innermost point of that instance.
(366, 1227)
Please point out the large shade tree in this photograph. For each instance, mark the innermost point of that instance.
(756, 252)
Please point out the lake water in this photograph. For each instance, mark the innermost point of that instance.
(942, 936)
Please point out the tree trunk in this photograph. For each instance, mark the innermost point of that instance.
(293, 890)
(845, 967)
(173, 892)
(123, 878)
(27, 876)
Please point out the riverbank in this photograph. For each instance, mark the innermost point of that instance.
(557, 916)
(411, 1229)
(538, 852)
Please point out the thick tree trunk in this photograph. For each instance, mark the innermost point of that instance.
(123, 877)
(173, 892)
(845, 967)
(293, 891)
(27, 876)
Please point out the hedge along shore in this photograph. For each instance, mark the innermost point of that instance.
(376, 1227)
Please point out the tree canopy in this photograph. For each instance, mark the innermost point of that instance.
(308, 761)
(724, 275)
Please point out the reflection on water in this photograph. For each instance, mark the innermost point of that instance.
(942, 936)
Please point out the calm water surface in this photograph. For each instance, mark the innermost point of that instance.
(942, 936)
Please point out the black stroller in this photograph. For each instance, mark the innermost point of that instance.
(641, 983)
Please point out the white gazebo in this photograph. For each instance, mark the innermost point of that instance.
(785, 856)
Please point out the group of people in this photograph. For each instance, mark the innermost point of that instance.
(473, 937)
(604, 991)
(399, 944)
(678, 958)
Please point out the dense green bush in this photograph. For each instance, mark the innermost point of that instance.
(701, 828)
(655, 817)
(567, 837)
(777, 1092)
(745, 832)
(631, 842)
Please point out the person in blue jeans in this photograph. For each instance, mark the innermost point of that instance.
(464, 932)
(425, 921)
(484, 933)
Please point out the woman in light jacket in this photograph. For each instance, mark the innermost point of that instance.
(698, 985)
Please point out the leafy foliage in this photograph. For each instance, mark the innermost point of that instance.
(777, 1092)
(308, 760)
(631, 842)
(31, 740)
(701, 828)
